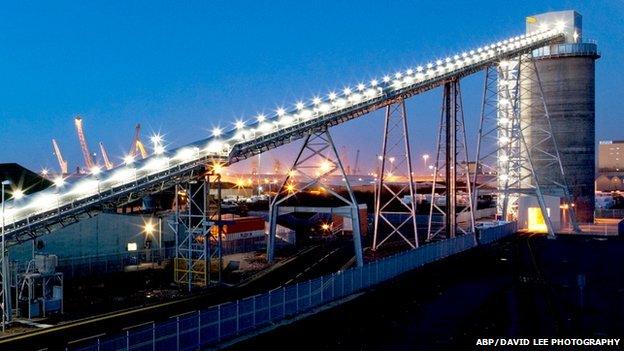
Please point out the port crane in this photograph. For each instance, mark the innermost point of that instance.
(107, 162)
(83, 143)
(57, 152)
(137, 148)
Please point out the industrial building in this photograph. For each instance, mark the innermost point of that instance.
(567, 74)
(611, 156)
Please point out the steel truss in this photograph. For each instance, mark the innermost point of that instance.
(515, 146)
(196, 225)
(395, 179)
(452, 145)
(316, 160)
(72, 210)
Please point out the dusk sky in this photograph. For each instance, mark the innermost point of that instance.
(183, 68)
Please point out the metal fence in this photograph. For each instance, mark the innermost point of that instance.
(609, 213)
(207, 327)
(490, 234)
(73, 267)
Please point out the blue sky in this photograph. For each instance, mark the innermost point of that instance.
(183, 67)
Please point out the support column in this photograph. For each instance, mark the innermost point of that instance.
(393, 216)
(318, 158)
(504, 149)
(450, 117)
(452, 161)
(5, 274)
(196, 225)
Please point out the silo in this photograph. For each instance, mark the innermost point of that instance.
(567, 74)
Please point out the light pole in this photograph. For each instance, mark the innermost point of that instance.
(6, 310)
(425, 158)
(149, 229)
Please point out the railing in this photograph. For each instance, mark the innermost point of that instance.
(609, 213)
(567, 49)
(219, 323)
(493, 233)
(73, 267)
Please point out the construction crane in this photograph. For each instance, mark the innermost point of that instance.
(59, 157)
(137, 147)
(83, 143)
(356, 170)
(107, 162)
(345, 159)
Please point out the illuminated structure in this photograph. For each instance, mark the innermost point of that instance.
(395, 148)
(567, 77)
(453, 146)
(41, 213)
(107, 162)
(137, 148)
(59, 157)
(84, 147)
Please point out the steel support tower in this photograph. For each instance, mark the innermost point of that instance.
(503, 146)
(196, 224)
(395, 180)
(316, 160)
(452, 145)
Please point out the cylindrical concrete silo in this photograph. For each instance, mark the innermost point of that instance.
(567, 74)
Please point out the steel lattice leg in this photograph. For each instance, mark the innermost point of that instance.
(395, 179)
(519, 148)
(452, 145)
(196, 224)
(317, 159)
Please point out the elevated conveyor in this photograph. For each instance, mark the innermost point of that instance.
(41, 213)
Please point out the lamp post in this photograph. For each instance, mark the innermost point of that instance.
(425, 158)
(6, 311)
(149, 228)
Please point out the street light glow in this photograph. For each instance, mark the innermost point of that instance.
(156, 139)
(325, 166)
(128, 159)
(59, 181)
(149, 228)
(17, 194)
(159, 149)
(216, 132)
(217, 167)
